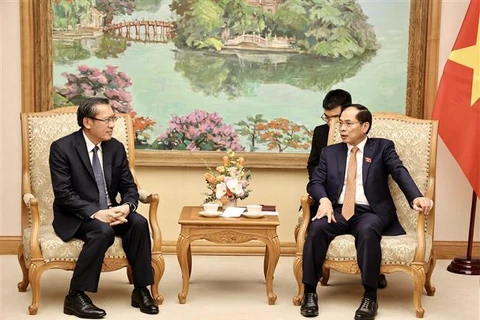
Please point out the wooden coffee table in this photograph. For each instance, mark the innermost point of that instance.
(227, 230)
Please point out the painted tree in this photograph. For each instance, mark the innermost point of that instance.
(89, 82)
(198, 130)
(115, 7)
(248, 128)
(282, 133)
(331, 29)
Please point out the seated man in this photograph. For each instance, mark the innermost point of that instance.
(355, 199)
(85, 207)
(332, 107)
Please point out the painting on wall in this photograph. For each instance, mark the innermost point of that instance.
(245, 75)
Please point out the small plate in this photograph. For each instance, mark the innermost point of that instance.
(254, 215)
(210, 215)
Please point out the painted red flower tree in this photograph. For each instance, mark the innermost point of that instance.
(198, 130)
(91, 82)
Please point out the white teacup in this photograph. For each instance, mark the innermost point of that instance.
(210, 207)
(254, 208)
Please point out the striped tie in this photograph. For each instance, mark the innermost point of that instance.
(348, 208)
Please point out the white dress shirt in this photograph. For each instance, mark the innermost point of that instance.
(360, 197)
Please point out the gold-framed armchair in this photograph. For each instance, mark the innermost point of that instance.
(40, 248)
(416, 144)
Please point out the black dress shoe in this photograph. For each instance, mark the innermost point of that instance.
(382, 281)
(81, 306)
(142, 299)
(309, 306)
(367, 310)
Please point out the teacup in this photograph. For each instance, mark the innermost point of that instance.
(210, 207)
(254, 208)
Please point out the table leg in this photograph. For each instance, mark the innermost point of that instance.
(273, 251)
(189, 256)
(265, 261)
(183, 246)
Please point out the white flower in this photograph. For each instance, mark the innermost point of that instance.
(235, 186)
(221, 190)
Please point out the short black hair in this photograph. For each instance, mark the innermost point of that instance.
(87, 108)
(335, 98)
(363, 115)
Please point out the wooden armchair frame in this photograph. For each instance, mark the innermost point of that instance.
(421, 227)
(37, 212)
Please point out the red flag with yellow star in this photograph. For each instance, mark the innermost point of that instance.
(457, 105)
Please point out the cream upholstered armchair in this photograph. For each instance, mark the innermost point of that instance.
(416, 143)
(41, 249)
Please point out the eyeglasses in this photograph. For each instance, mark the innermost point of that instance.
(327, 118)
(108, 120)
(348, 124)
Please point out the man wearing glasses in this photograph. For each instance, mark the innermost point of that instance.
(332, 106)
(355, 199)
(89, 169)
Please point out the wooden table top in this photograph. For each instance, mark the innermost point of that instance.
(190, 216)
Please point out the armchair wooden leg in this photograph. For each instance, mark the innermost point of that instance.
(158, 265)
(22, 285)
(419, 282)
(34, 274)
(325, 276)
(298, 272)
(428, 280)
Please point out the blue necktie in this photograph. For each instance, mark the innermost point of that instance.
(99, 178)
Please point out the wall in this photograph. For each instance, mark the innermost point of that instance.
(184, 186)
(10, 106)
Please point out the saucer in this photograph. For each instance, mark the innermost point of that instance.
(254, 215)
(209, 215)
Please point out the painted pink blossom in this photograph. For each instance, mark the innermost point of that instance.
(199, 130)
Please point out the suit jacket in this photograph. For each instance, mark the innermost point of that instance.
(73, 181)
(380, 161)
(319, 141)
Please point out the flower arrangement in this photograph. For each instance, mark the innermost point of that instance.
(229, 181)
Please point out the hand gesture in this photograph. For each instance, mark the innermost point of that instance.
(325, 209)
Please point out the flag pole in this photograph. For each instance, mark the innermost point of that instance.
(468, 265)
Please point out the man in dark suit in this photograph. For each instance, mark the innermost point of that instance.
(89, 169)
(332, 107)
(355, 199)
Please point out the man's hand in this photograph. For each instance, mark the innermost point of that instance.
(325, 209)
(114, 215)
(422, 204)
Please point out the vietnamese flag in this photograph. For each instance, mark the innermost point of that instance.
(457, 105)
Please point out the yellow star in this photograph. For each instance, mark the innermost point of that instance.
(470, 57)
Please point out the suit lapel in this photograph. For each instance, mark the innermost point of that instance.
(82, 151)
(368, 153)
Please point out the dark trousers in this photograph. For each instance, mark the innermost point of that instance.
(365, 226)
(98, 237)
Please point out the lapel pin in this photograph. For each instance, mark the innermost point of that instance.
(368, 159)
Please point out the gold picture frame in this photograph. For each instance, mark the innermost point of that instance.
(37, 81)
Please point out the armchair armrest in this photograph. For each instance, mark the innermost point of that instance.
(305, 202)
(32, 204)
(153, 200)
(422, 242)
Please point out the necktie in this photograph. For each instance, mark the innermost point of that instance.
(348, 208)
(99, 179)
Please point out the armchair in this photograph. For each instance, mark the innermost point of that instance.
(416, 143)
(40, 248)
